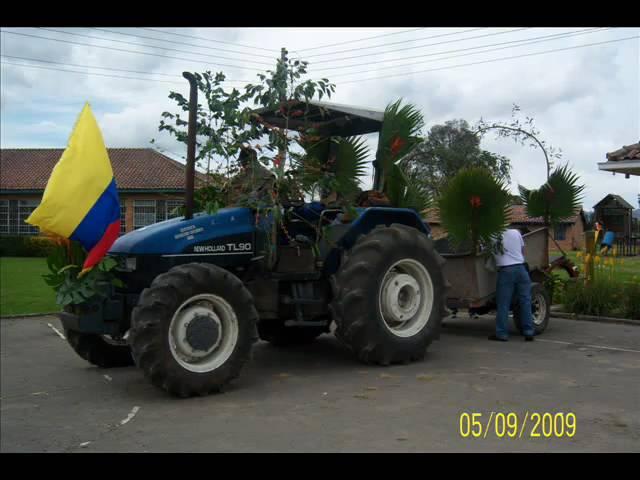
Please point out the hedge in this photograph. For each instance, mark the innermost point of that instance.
(25, 246)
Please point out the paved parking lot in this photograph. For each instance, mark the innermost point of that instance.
(319, 399)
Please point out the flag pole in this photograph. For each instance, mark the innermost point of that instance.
(191, 144)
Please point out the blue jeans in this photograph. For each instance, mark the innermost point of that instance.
(510, 279)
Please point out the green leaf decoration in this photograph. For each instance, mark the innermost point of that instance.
(557, 200)
(401, 128)
(474, 207)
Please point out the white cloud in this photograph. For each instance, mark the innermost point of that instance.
(584, 101)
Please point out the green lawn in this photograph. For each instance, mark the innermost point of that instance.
(22, 289)
(630, 265)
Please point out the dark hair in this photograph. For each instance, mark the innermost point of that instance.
(246, 154)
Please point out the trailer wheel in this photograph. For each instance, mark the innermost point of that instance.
(193, 329)
(389, 295)
(540, 309)
(100, 350)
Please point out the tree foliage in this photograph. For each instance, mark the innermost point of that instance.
(449, 148)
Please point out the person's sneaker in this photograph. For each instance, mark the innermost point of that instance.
(528, 338)
(497, 339)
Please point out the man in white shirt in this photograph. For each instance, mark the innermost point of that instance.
(512, 276)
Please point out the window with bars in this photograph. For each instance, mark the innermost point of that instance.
(25, 207)
(123, 218)
(160, 210)
(173, 208)
(144, 213)
(560, 232)
(4, 217)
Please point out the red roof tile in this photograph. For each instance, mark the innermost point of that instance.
(518, 215)
(134, 169)
(628, 152)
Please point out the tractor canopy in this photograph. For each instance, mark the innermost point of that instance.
(330, 119)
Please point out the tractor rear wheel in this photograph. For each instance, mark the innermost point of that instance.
(193, 329)
(389, 295)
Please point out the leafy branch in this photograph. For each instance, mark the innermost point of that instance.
(521, 132)
(65, 264)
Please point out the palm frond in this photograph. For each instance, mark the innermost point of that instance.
(311, 166)
(474, 206)
(557, 200)
(415, 194)
(352, 159)
(401, 128)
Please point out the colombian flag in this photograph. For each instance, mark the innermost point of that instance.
(80, 201)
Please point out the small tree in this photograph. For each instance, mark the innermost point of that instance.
(401, 134)
(560, 196)
(474, 207)
(520, 131)
(557, 199)
(283, 89)
(448, 148)
(226, 120)
(223, 121)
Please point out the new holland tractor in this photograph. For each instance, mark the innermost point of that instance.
(201, 289)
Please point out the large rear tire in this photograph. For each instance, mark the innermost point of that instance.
(389, 295)
(99, 350)
(193, 329)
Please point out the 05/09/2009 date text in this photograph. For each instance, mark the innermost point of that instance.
(514, 425)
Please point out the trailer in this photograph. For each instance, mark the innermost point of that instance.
(472, 279)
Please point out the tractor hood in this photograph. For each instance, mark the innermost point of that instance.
(229, 230)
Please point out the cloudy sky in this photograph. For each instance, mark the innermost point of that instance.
(584, 96)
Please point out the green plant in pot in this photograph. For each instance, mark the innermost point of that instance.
(556, 200)
(474, 208)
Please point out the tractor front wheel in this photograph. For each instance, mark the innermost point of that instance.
(193, 329)
(100, 350)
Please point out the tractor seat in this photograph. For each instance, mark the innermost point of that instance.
(331, 237)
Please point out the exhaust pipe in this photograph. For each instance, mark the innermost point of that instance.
(191, 145)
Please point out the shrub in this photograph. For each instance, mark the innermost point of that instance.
(602, 296)
(25, 246)
(631, 300)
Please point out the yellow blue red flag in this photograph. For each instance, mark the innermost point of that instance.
(80, 201)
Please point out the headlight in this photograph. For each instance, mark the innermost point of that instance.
(126, 264)
(130, 263)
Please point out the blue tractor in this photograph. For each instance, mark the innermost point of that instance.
(201, 289)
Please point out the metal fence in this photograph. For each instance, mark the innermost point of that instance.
(628, 247)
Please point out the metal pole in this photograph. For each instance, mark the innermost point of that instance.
(191, 145)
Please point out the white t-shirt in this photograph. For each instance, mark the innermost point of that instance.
(512, 242)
